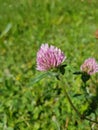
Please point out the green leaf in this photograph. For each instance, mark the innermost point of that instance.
(77, 73)
(41, 76)
(62, 69)
(77, 95)
(85, 77)
(38, 78)
(6, 30)
(9, 128)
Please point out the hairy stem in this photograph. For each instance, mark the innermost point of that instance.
(75, 109)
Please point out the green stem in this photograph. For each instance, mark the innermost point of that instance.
(90, 120)
(75, 109)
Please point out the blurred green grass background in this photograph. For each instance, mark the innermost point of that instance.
(24, 26)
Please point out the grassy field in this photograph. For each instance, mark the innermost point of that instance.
(24, 26)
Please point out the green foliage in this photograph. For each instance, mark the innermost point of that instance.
(27, 100)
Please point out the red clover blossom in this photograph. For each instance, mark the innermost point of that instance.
(49, 57)
(90, 66)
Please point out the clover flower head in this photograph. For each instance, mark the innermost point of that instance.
(49, 57)
(89, 66)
